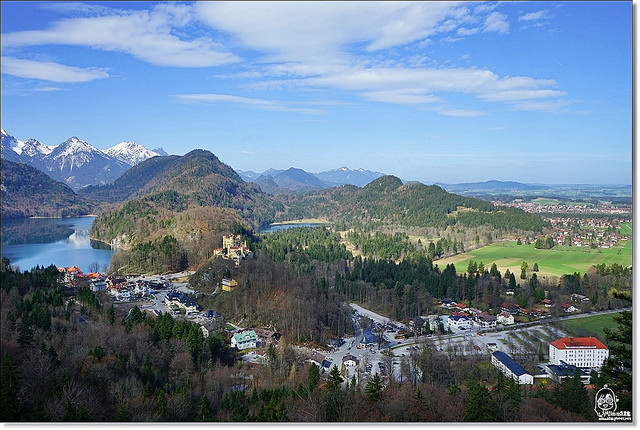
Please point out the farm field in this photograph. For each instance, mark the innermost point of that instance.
(558, 261)
(625, 229)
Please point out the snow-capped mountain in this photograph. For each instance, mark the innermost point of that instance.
(79, 164)
(344, 175)
(30, 151)
(76, 162)
(131, 153)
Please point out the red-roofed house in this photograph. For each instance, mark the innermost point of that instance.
(578, 351)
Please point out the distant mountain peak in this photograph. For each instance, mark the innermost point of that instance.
(130, 152)
(344, 176)
(76, 162)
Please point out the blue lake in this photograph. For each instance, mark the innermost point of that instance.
(277, 227)
(62, 242)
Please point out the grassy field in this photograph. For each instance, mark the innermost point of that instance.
(591, 326)
(625, 229)
(552, 262)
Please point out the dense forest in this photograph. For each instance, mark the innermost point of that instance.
(386, 201)
(73, 358)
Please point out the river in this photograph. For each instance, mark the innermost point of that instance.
(62, 242)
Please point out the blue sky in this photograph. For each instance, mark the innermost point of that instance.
(535, 92)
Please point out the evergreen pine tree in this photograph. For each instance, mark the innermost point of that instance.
(374, 388)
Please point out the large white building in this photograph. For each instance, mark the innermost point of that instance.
(578, 351)
(510, 368)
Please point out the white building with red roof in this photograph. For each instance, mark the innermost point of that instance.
(578, 351)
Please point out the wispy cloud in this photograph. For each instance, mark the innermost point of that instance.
(149, 35)
(534, 19)
(533, 16)
(246, 101)
(462, 113)
(496, 22)
(327, 45)
(50, 71)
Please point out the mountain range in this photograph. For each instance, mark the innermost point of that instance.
(296, 180)
(74, 161)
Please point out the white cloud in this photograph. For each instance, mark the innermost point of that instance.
(48, 89)
(246, 101)
(462, 113)
(463, 31)
(496, 22)
(50, 71)
(533, 16)
(406, 97)
(148, 35)
(321, 31)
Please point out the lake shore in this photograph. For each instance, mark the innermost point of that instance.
(303, 221)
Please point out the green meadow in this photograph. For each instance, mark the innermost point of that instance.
(557, 261)
(590, 326)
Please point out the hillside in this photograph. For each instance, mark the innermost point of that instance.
(386, 201)
(171, 212)
(196, 179)
(27, 192)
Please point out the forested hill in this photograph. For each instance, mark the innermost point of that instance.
(386, 201)
(27, 192)
(177, 209)
(197, 179)
(183, 174)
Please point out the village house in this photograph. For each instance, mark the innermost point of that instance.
(484, 320)
(459, 321)
(510, 368)
(319, 360)
(98, 285)
(448, 304)
(505, 318)
(267, 336)
(121, 294)
(350, 360)
(547, 303)
(228, 284)
(71, 273)
(461, 307)
(181, 301)
(512, 308)
(244, 340)
(568, 308)
(580, 298)
(214, 316)
(209, 327)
